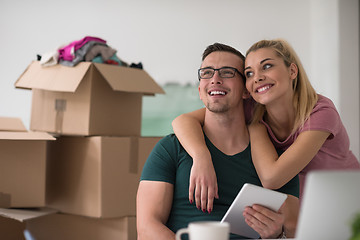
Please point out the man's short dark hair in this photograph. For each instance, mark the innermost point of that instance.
(219, 47)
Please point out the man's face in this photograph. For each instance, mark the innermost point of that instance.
(220, 94)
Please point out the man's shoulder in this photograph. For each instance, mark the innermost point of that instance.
(170, 138)
(161, 162)
(168, 142)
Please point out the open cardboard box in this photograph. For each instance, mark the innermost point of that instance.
(12, 124)
(72, 227)
(45, 224)
(23, 164)
(88, 99)
(13, 221)
(96, 176)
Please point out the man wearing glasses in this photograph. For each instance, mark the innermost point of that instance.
(162, 201)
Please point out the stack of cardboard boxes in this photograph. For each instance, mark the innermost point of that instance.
(94, 165)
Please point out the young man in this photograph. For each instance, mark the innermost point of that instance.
(162, 200)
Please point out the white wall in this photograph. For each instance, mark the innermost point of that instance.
(334, 61)
(168, 37)
(349, 62)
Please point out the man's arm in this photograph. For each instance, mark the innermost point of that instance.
(153, 205)
(291, 211)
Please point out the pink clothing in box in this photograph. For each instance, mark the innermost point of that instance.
(68, 52)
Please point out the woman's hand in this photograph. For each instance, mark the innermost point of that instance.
(203, 183)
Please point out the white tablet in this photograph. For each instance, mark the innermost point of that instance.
(251, 194)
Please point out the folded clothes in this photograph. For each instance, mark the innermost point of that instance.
(68, 52)
(80, 53)
(105, 52)
(49, 58)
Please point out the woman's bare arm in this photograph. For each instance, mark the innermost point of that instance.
(203, 182)
(275, 171)
(188, 129)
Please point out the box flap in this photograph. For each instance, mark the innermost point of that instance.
(25, 136)
(26, 214)
(55, 78)
(128, 79)
(12, 124)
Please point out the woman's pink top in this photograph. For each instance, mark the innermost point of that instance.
(335, 152)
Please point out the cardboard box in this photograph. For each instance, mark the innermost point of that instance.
(5, 200)
(13, 221)
(88, 99)
(45, 224)
(23, 164)
(11, 229)
(96, 176)
(72, 227)
(11, 124)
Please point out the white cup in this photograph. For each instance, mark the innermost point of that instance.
(209, 230)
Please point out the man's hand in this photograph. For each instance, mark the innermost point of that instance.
(267, 223)
(204, 183)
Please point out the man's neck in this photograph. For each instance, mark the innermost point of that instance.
(227, 131)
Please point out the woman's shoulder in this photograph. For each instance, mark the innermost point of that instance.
(323, 115)
(324, 102)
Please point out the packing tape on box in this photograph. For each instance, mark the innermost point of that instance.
(5, 200)
(134, 155)
(60, 108)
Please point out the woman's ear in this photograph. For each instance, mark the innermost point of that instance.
(293, 71)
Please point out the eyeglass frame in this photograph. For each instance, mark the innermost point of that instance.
(218, 69)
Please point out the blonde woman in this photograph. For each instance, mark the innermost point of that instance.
(287, 115)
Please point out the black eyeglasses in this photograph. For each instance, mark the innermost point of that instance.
(224, 72)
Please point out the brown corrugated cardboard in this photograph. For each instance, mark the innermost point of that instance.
(23, 166)
(12, 124)
(72, 227)
(45, 224)
(11, 229)
(12, 221)
(23, 215)
(96, 176)
(5, 200)
(89, 99)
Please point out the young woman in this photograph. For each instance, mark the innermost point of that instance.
(288, 115)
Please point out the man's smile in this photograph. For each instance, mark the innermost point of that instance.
(217, 92)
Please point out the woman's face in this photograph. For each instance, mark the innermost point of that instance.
(268, 79)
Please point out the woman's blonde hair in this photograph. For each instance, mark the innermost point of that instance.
(305, 96)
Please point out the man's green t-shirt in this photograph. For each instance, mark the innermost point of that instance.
(169, 162)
